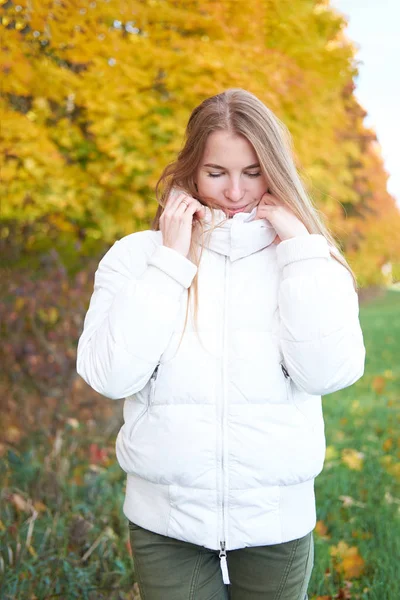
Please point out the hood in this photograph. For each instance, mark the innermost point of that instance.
(239, 236)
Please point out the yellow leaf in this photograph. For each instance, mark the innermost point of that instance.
(13, 434)
(395, 470)
(387, 444)
(386, 460)
(39, 506)
(331, 453)
(19, 303)
(352, 458)
(347, 560)
(363, 535)
(321, 530)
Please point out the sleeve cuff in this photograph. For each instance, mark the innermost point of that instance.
(174, 264)
(302, 247)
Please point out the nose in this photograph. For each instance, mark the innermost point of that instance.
(234, 193)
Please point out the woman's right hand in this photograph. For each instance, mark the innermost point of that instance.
(177, 220)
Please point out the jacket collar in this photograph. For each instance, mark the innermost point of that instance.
(238, 236)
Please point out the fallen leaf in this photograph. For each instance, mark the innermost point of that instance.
(331, 453)
(322, 530)
(378, 384)
(20, 503)
(97, 454)
(389, 374)
(347, 560)
(349, 501)
(363, 535)
(13, 434)
(353, 458)
(344, 593)
(391, 467)
(387, 444)
(391, 499)
(39, 506)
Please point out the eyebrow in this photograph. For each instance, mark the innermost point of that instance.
(223, 168)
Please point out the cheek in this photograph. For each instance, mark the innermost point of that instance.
(208, 184)
(262, 182)
(260, 186)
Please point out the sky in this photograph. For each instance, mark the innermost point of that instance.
(374, 28)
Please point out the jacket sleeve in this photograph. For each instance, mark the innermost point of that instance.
(138, 287)
(320, 333)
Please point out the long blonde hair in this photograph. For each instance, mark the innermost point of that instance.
(240, 112)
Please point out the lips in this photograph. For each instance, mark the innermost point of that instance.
(236, 210)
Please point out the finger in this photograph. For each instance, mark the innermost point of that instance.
(178, 210)
(175, 196)
(265, 212)
(198, 206)
(175, 200)
(268, 208)
(200, 209)
(195, 208)
(267, 197)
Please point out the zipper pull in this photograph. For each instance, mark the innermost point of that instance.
(153, 380)
(155, 371)
(224, 564)
(285, 372)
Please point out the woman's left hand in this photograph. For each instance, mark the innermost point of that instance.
(281, 217)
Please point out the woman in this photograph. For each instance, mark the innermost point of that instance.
(221, 327)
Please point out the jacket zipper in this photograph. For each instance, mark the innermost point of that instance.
(222, 552)
(287, 381)
(153, 384)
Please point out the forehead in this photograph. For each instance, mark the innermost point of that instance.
(228, 149)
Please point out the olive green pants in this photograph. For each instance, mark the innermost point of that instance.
(169, 569)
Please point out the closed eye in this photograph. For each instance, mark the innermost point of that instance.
(219, 174)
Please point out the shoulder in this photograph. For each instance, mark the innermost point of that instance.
(132, 251)
(146, 241)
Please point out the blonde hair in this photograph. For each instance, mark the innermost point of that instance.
(240, 112)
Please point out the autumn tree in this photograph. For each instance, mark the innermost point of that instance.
(96, 96)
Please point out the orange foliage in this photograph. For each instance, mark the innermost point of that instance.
(96, 97)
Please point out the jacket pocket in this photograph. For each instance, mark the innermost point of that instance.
(152, 391)
(289, 392)
(134, 426)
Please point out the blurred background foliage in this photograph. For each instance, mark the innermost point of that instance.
(96, 96)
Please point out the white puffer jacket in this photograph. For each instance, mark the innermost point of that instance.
(222, 439)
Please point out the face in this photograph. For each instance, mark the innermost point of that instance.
(229, 173)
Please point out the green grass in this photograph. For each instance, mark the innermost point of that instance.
(81, 515)
(364, 417)
(77, 544)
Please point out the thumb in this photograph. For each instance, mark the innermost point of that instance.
(265, 197)
(277, 240)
